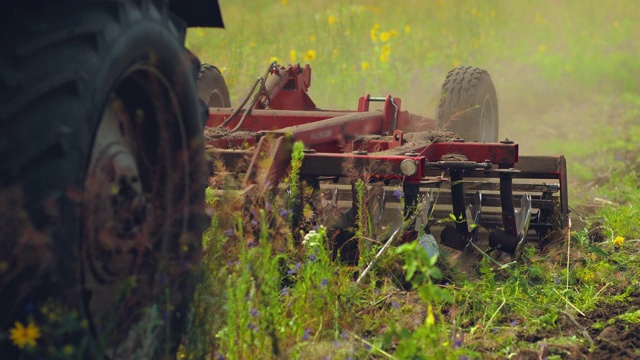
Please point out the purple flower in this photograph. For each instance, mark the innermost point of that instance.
(324, 282)
(306, 334)
(367, 346)
(344, 335)
(464, 357)
(513, 323)
(457, 343)
(283, 212)
(395, 305)
(251, 326)
(556, 280)
(284, 291)
(254, 222)
(312, 257)
(229, 232)
(253, 312)
(220, 357)
(397, 194)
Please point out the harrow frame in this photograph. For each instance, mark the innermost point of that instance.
(491, 185)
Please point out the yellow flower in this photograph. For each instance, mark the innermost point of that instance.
(364, 66)
(374, 32)
(284, 2)
(309, 55)
(274, 58)
(335, 54)
(393, 33)
(22, 336)
(618, 241)
(407, 29)
(331, 19)
(457, 63)
(384, 36)
(312, 37)
(384, 53)
(292, 55)
(542, 48)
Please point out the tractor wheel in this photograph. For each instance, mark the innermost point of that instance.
(211, 87)
(101, 129)
(469, 105)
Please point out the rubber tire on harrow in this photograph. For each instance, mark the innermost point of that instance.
(101, 132)
(469, 106)
(212, 88)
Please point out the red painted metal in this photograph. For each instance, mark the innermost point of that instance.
(374, 141)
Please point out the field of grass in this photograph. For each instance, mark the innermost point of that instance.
(566, 74)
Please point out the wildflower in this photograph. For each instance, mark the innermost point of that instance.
(556, 280)
(364, 66)
(542, 48)
(344, 335)
(229, 232)
(457, 343)
(335, 54)
(310, 55)
(274, 58)
(324, 282)
(384, 36)
(292, 55)
(312, 257)
(395, 305)
(284, 3)
(282, 212)
(618, 241)
(284, 291)
(295, 269)
(253, 312)
(312, 37)
(251, 326)
(331, 19)
(306, 334)
(384, 55)
(407, 29)
(22, 336)
(374, 32)
(254, 222)
(397, 194)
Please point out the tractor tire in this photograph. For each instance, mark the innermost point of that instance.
(102, 164)
(469, 106)
(211, 87)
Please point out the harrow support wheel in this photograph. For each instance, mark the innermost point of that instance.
(469, 105)
(102, 128)
(212, 88)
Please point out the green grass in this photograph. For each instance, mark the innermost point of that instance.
(567, 84)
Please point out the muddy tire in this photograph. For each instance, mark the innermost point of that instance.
(212, 88)
(101, 151)
(469, 105)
